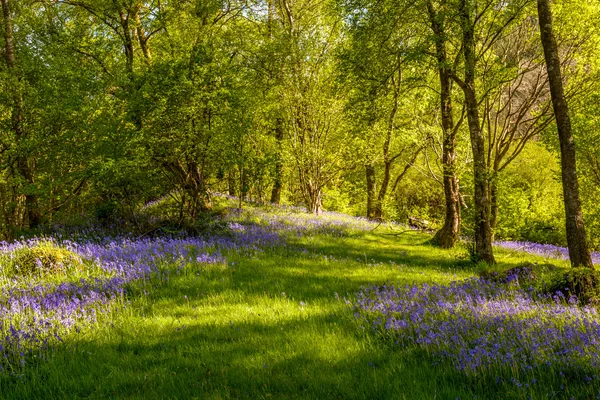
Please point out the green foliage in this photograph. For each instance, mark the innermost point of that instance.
(233, 97)
(419, 197)
(548, 279)
(530, 205)
(525, 274)
(586, 123)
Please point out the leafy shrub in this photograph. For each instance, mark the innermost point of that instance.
(529, 198)
(543, 232)
(107, 211)
(210, 222)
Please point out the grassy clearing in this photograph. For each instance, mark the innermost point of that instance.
(276, 325)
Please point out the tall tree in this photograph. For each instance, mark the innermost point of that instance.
(22, 165)
(518, 108)
(378, 66)
(483, 231)
(576, 238)
(447, 236)
(311, 102)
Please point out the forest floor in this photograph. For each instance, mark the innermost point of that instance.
(276, 322)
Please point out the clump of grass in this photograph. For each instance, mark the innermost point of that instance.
(43, 258)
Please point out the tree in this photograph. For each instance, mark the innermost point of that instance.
(576, 237)
(310, 100)
(483, 232)
(482, 24)
(518, 106)
(378, 66)
(447, 236)
(22, 166)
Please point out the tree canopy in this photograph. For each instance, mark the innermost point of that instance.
(442, 113)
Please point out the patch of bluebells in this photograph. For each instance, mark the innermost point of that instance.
(479, 325)
(292, 221)
(35, 317)
(545, 250)
(296, 221)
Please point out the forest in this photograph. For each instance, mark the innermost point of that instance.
(414, 175)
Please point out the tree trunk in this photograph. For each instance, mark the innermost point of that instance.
(371, 190)
(231, 183)
(447, 236)
(376, 198)
(483, 233)
(278, 184)
(142, 37)
(385, 183)
(195, 194)
(576, 238)
(31, 200)
(494, 207)
(375, 204)
(314, 200)
(127, 42)
(378, 211)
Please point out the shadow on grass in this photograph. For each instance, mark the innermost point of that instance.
(266, 327)
(247, 360)
(409, 249)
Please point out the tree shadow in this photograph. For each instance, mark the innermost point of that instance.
(271, 326)
(246, 360)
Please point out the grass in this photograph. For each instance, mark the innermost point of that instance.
(276, 325)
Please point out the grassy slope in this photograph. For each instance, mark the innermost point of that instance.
(267, 327)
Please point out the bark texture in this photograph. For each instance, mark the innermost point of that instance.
(483, 232)
(278, 183)
(447, 236)
(576, 238)
(371, 191)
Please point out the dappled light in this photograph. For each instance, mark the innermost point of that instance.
(300, 199)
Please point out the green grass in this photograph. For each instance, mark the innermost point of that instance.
(274, 326)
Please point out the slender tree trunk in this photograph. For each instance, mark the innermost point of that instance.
(483, 232)
(142, 37)
(278, 184)
(23, 165)
(232, 189)
(576, 238)
(447, 236)
(383, 189)
(127, 42)
(194, 193)
(312, 197)
(279, 132)
(371, 190)
(375, 200)
(494, 207)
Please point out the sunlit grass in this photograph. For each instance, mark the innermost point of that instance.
(273, 324)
